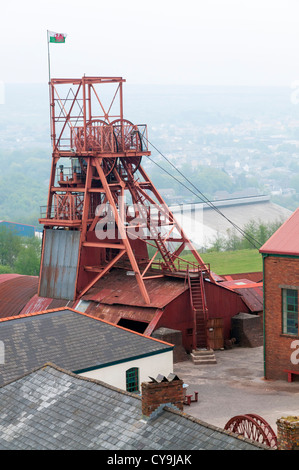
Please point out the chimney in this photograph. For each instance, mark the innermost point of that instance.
(161, 391)
(288, 433)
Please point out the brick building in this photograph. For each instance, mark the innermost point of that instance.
(281, 285)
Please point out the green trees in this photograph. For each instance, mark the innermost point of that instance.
(255, 235)
(19, 255)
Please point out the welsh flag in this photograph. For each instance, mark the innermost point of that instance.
(56, 37)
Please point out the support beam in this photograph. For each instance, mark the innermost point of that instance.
(105, 270)
(122, 231)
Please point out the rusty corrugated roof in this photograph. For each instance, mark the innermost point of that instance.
(117, 287)
(256, 276)
(251, 292)
(113, 313)
(15, 292)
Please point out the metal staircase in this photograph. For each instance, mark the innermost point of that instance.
(201, 353)
(198, 302)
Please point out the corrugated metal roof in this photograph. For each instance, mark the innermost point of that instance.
(285, 240)
(15, 293)
(7, 277)
(113, 313)
(251, 292)
(117, 287)
(37, 304)
(255, 277)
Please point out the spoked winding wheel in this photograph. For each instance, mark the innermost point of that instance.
(100, 137)
(252, 427)
(128, 139)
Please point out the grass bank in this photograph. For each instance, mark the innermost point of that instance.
(232, 262)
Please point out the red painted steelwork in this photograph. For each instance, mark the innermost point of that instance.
(105, 151)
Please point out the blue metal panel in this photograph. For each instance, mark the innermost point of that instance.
(59, 264)
(18, 229)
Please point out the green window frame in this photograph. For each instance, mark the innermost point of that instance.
(290, 311)
(132, 379)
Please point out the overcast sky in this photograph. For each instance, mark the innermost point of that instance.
(190, 42)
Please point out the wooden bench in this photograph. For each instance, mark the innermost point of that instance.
(188, 399)
(291, 373)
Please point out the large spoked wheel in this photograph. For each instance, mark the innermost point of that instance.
(100, 137)
(254, 428)
(128, 139)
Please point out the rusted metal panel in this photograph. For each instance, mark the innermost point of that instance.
(251, 292)
(7, 277)
(59, 264)
(117, 287)
(36, 304)
(15, 292)
(255, 277)
(113, 313)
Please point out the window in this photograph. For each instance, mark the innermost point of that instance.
(132, 380)
(290, 311)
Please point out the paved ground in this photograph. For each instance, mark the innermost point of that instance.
(235, 385)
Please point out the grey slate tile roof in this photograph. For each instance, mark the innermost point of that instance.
(70, 339)
(53, 409)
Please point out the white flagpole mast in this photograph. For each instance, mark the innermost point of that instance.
(49, 80)
(49, 67)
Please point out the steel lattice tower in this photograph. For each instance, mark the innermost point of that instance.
(103, 211)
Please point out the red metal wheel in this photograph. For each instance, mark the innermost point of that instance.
(127, 135)
(128, 139)
(100, 137)
(252, 427)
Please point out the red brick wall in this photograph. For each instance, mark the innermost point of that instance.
(278, 271)
(288, 433)
(155, 394)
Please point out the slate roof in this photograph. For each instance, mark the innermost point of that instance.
(52, 409)
(70, 339)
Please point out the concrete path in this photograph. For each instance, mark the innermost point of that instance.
(235, 385)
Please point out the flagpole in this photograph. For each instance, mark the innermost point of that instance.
(49, 81)
(49, 67)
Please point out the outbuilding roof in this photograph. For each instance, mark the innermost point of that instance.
(285, 241)
(251, 292)
(121, 287)
(52, 409)
(15, 291)
(70, 339)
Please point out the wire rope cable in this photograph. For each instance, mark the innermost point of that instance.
(202, 197)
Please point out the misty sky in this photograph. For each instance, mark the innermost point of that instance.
(191, 42)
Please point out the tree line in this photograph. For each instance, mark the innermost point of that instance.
(254, 235)
(20, 255)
